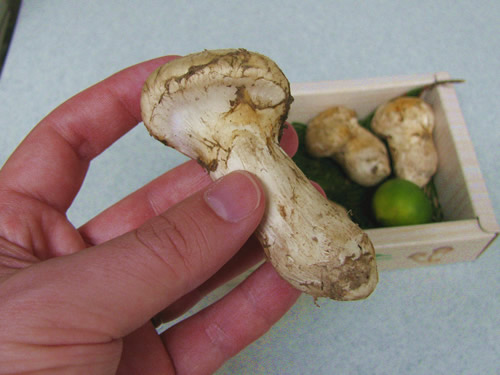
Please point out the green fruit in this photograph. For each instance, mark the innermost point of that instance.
(400, 202)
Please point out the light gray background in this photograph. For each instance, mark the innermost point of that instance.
(437, 320)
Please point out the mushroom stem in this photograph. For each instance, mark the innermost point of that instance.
(310, 242)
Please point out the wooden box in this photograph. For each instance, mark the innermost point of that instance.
(469, 224)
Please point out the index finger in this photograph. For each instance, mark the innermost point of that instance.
(51, 163)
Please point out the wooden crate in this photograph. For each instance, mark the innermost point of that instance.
(469, 224)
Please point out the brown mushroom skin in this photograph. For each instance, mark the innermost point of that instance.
(225, 108)
(336, 133)
(407, 124)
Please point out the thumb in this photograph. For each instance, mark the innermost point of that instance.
(114, 288)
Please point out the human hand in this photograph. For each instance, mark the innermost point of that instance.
(81, 300)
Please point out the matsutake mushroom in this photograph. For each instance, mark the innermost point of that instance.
(407, 124)
(225, 108)
(336, 133)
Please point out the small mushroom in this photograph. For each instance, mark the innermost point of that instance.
(336, 133)
(225, 108)
(407, 124)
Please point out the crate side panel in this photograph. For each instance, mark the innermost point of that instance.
(430, 244)
(469, 165)
(361, 95)
(427, 254)
(450, 182)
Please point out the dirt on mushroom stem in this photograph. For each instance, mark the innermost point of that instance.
(343, 263)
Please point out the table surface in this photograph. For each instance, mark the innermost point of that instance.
(436, 320)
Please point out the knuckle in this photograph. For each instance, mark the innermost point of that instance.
(226, 336)
(255, 307)
(221, 340)
(173, 243)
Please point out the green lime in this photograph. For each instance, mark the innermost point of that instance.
(401, 202)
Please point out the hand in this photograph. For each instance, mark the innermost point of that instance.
(80, 301)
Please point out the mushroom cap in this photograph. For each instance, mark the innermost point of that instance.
(198, 103)
(404, 115)
(330, 130)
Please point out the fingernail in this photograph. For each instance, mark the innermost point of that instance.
(234, 197)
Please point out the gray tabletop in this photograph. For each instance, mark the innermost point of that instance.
(434, 320)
